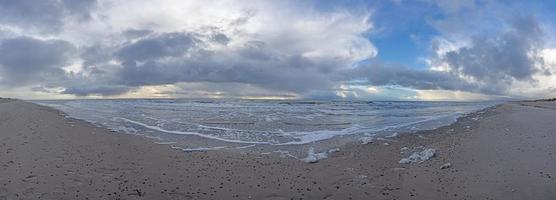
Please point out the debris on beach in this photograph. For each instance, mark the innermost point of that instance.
(398, 169)
(334, 150)
(313, 157)
(404, 149)
(446, 166)
(366, 140)
(419, 156)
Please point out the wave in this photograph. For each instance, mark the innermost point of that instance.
(156, 128)
(265, 122)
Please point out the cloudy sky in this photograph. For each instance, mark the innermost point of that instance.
(372, 50)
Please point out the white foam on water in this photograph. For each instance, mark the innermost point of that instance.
(151, 137)
(269, 121)
(395, 134)
(199, 149)
(225, 129)
(156, 128)
(124, 129)
(313, 136)
(247, 146)
(164, 143)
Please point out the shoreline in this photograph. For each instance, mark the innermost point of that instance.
(51, 156)
(294, 150)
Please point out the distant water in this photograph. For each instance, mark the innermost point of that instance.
(264, 121)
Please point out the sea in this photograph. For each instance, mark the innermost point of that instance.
(239, 122)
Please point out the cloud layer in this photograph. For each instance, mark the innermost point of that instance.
(257, 49)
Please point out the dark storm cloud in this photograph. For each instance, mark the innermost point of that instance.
(383, 74)
(498, 61)
(100, 79)
(43, 15)
(96, 54)
(79, 8)
(182, 57)
(290, 73)
(136, 33)
(220, 38)
(152, 60)
(164, 45)
(26, 60)
(494, 63)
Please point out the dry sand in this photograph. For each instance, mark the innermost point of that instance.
(507, 152)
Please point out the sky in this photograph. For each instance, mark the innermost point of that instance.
(292, 49)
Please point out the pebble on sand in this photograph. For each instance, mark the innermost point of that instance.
(446, 166)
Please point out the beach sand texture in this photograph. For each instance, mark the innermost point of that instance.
(507, 152)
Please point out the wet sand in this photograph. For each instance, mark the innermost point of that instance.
(507, 152)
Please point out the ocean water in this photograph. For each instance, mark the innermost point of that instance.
(269, 122)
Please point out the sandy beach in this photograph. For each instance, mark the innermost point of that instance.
(507, 152)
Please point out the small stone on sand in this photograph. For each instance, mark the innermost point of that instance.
(446, 166)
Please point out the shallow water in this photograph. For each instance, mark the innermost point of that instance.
(264, 121)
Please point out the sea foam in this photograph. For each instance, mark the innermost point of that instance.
(265, 122)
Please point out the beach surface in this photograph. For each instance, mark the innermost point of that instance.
(505, 152)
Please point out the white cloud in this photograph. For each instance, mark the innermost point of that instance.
(282, 49)
(549, 57)
(286, 26)
(282, 29)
